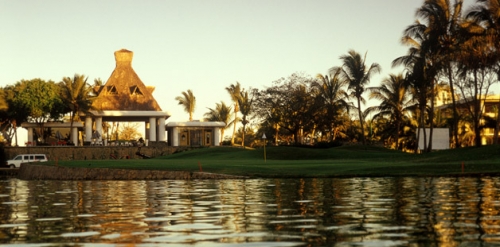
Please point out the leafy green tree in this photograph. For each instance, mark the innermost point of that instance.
(245, 104)
(396, 102)
(291, 104)
(6, 120)
(12, 116)
(234, 91)
(483, 26)
(357, 75)
(76, 94)
(188, 101)
(221, 113)
(39, 100)
(4, 106)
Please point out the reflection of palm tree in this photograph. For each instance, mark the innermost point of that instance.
(76, 94)
(235, 93)
(357, 75)
(396, 101)
(188, 101)
(221, 113)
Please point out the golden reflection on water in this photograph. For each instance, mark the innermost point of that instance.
(265, 212)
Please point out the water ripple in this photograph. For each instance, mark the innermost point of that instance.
(253, 212)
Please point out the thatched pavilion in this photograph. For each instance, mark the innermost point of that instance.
(125, 98)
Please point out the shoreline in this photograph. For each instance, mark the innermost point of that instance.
(50, 172)
(47, 172)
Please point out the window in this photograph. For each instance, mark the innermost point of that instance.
(112, 90)
(134, 90)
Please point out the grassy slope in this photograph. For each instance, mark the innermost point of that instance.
(306, 162)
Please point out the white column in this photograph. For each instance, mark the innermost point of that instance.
(30, 135)
(88, 129)
(74, 136)
(152, 129)
(98, 127)
(161, 129)
(216, 137)
(175, 137)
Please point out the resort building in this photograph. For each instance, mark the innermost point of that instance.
(125, 98)
(489, 106)
(194, 133)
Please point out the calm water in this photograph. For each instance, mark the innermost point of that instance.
(255, 212)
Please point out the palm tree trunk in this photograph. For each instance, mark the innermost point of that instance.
(72, 116)
(234, 126)
(476, 115)
(422, 125)
(361, 122)
(454, 106)
(243, 137)
(14, 123)
(397, 134)
(431, 118)
(296, 137)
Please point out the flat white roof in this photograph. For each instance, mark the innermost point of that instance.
(130, 113)
(195, 124)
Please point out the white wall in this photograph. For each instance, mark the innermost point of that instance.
(440, 139)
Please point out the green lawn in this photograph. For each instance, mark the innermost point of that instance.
(308, 162)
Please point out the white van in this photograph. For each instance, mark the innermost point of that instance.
(26, 158)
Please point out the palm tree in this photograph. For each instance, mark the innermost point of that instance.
(76, 94)
(443, 35)
(357, 75)
(396, 102)
(188, 101)
(245, 109)
(234, 91)
(421, 70)
(98, 85)
(331, 90)
(221, 113)
(3, 102)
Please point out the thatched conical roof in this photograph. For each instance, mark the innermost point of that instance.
(124, 90)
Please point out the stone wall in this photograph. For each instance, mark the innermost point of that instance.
(92, 152)
(51, 172)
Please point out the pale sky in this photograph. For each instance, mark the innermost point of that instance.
(202, 45)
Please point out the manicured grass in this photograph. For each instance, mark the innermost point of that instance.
(309, 162)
